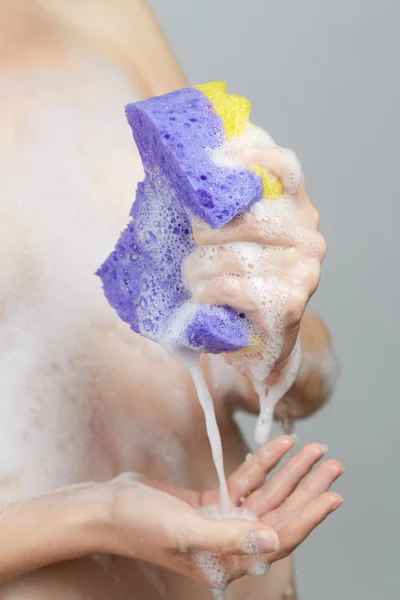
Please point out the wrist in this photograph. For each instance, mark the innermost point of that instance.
(318, 373)
(51, 528)
(88, 520)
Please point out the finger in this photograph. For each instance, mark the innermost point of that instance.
(218, 571)
(282, 163)
(251, 474)
(252, 260)
(232, 536)
(222, 284)
(315, 484)
(266, 227)
(263, 227)
(306, 211)
(251, 295)
(284, 481)
(297, 528)
(226, 290)
(240, 259)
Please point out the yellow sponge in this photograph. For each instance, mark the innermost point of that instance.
(234, 110)
(256, 344)
(212, 89)
(273, 188)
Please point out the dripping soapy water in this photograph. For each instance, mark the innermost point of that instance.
(213, 434)
(265, 417)
(270, 395)
(173, 343)
(211, 564)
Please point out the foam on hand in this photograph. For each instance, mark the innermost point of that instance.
(212, 564)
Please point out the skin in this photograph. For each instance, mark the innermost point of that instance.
(121, 517)
(145, 522)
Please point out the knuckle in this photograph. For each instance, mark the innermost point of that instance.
(293, 170)
(321, 246)
(251, 229)
(315, 218)
(228, 287)
(188, 267)
(296, 305)
(313, 277)
(202, 233)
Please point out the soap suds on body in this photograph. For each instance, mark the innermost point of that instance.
(66, 193)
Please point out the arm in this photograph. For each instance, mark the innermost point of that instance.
(47, 529)
(318, 370)
(316, 379)
(146, 520)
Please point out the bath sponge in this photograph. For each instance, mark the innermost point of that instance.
(142, 278)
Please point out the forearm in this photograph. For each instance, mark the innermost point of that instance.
(48, 529)
(318, 370)
(315, 381)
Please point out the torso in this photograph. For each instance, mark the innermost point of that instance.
(83, 398)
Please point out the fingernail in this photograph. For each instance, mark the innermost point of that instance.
(295, 437)
(338, 503)
(266, 541)
(325, 448)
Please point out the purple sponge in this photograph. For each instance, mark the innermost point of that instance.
(142, 278)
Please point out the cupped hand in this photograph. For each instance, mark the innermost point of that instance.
(164, 525)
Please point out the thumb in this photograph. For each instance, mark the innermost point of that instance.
(232, 536)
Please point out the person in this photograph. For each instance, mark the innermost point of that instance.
(105, 461)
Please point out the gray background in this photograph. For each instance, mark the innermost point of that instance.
(324, 79)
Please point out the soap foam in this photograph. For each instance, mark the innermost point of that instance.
(212, 564)
(269, 397)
